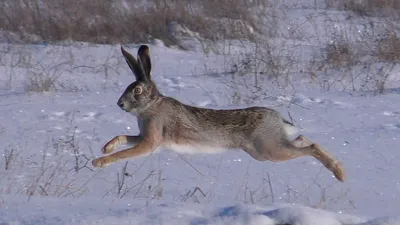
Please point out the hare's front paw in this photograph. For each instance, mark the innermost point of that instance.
(100, 162)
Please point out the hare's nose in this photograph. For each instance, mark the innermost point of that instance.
(120, 104)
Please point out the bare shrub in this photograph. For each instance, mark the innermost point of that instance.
(261, 66)
(9, 157)
(339, 54)
(377, 76)
(256, 194)
(42, 78)
(69, 143)
(237, 16)
(138, 189)
(361, 60)
(53, 178)
(190, 195)
(44, 75)
(388, 48)
(40, 82)
(373, 7)
(137, 185)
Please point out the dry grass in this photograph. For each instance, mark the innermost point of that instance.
(130, 21)
(339, 54)
(373, 7)
(388, 48)
(9, 157)
(56, 172)
(381, 8)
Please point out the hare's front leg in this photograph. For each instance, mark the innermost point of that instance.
(143, 148)
(120, 140)
(152, 138)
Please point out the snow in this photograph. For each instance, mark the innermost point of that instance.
(360, 130)
(49, 210)
(49, 131)
(50, 138)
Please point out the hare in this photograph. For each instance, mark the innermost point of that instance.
(165, 122)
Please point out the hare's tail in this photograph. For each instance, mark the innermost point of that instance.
(290, 128)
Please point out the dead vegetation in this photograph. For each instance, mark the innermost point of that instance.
(129, 21)
(373, 7)
(388, 47)
(212, 22)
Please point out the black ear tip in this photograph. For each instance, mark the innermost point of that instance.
(143, 49)
(122, 49)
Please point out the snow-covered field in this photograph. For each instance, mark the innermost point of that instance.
(48, 211)
(55, 135)
(50, 138)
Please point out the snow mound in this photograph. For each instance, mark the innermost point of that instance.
(46, 211)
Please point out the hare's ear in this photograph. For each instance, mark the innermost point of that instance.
(134, 65)
(143, 56)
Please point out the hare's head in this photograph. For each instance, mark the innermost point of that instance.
(140, 94)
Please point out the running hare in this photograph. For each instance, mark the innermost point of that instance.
(166, 122)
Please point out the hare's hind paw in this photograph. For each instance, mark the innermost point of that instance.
(338, 171)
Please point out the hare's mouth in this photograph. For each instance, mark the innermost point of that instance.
(128, 109)
(126, 106)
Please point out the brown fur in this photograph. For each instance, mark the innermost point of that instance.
(164, 121)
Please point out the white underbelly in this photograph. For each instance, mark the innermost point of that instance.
(194, 149)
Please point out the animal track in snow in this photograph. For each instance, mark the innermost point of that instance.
(391, 126)
(60, 116)
(304, 100)
(88, 116)
(388, 113)
(173, 82)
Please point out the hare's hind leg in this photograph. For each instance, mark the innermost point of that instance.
(330, 162)
(301, 141)
(120, 140)
(262, 151)
(298, 148)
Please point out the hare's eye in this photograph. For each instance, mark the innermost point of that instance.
(137, 90)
